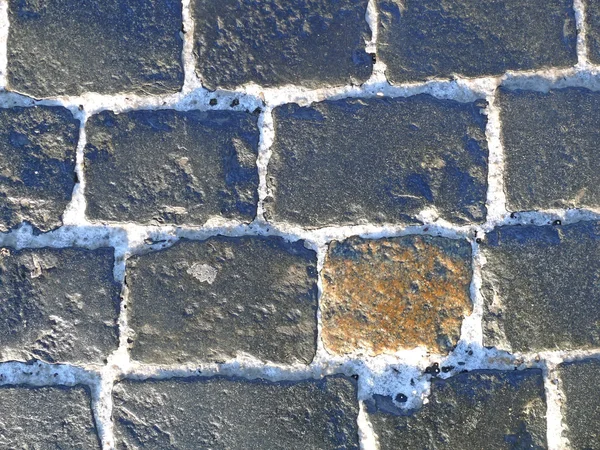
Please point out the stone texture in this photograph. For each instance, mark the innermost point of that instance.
(311, 43)
(210, 300)
(378, 160)
(480, 410)
(167, 166)
(111, 47)
(236, 414)
(49, 418)
(592, 21)
(550, 144)
(540, 287)
(37, 165)
(423, 39)
(58, 305)
(579, 381)
(390, 294)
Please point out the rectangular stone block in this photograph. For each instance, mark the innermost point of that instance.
(312, 43)
(550, 144)
(212, 300)
(540, 287)
(379, 160)
(592, 24)
(167, 166)
(424, 39)
(37, 165)
(236, 414)
(58, 305)
(479, 410)
(111, 47)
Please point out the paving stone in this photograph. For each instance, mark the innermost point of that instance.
(579, 381)
(312, 43)
(423, 39)
(167, 166)
(479, 410)
(47, 418)
(378, 160)
(592, 22)
(210, 300)
(540, 287)
(37, 165)
(390, 294)
(236, 414)
(111, 47)
(58, 305)
(550, 144)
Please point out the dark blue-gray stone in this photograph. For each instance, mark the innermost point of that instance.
(378, 160)
(592, 23)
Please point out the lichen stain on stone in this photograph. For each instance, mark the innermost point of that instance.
(380, 296)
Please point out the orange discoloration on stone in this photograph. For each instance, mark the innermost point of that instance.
(384, 295)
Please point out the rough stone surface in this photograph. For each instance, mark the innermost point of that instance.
(550, 144)
(49, 418)
(37, 165)
(480, 410)
(378, 160)
(423, 39)
(581, 409)
(236, 414)
(111, 47)
(276, 42)
(390, 294)
(592, 21)
(213, 299)
(58, 305)
(167, 166)
(540, 287)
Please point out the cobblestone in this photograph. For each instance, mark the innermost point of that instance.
(592, 21)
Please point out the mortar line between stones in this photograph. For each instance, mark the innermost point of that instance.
(74, 213)
(582, 51)
(266, 139)
(190, 80)
(4, 24)
(554, 416)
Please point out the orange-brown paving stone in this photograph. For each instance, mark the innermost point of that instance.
(380, 296)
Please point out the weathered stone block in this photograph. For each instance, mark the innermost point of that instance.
(111, 47)
(540, 287)
(311, 43)
(423, 39)
(390, 294)
(171, 167)
(378, 160)
(37, 165)
(592, 22)
(58, 305)
(211, 300)
(480, 410)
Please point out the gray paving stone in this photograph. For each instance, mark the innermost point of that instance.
(167, 166)
(111, 47)
(58, 305)
(540, 287)
(310, 43)
(422, 39)
(480, 410)
(550, 145)
(189, 413)
(37, 165)
(579, 382)
(48, 418)
(592, 21)
(210, 300)
(378, 160)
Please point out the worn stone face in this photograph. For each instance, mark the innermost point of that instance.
(47, 418)
(550, 144)
(390, 294)
(236, 414)
(479, 410)
(592, 22)
(540, 287)
(378, 160)
(167, 166)
(37, 165)
(211, 300)
(58, 305)
(311, 43)
(423, 39)
(111, 47)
